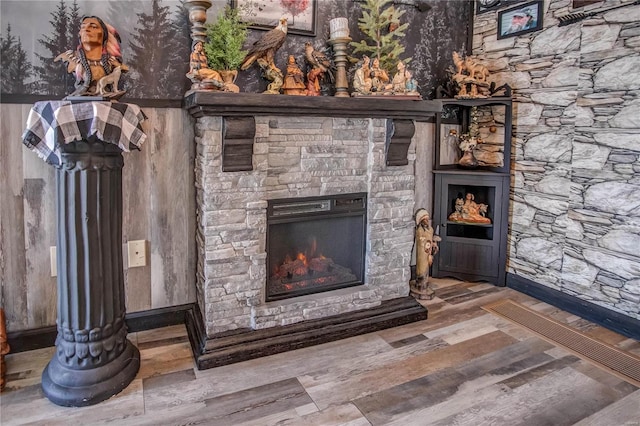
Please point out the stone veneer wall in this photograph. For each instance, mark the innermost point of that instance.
(296, 157)
(575, 220)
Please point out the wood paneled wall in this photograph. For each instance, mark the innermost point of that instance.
(158, 206)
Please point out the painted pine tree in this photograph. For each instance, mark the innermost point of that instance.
(16, 68)
(150, 44)
(53, 78)
(174, 79)
(380, 23)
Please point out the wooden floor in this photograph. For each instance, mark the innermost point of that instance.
(462, 366)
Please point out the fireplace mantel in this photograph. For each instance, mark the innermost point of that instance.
(239, 110)
(202, 103)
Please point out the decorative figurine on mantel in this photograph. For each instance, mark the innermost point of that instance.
(320, 65)
(223, 47)
(403, 83)
(471, 77)
(263, 52)
(425, 246)
(468, 211)
(203, 77)
(362, 78)
(97, 62)
(293, 79)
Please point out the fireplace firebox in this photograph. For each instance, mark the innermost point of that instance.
(315, 244)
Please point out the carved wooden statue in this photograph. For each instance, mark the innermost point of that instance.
(263, 52)
(470, 76)
(425, 246)
(97, 62)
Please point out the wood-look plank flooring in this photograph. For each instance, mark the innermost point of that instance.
(462, 366)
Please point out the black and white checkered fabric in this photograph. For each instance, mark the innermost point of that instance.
(53, 123)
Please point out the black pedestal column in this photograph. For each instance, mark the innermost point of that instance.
(94, 360)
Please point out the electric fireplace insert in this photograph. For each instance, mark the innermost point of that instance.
(315, 244)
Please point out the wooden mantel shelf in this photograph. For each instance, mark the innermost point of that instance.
(202, 103)
(238, 111)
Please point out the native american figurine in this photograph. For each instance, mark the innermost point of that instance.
(468, 211)
(263, 52)
(362, 77)
(97, 56)
(425, 246)
(202, 76)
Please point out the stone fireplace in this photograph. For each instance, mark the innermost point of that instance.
(274, 172)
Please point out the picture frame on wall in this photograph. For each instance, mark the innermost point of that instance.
(483, 6)
(300, 14)
(521, 19)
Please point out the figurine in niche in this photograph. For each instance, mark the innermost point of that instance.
(379, 77)
(203, 77)
(263, 52)
(467, 146)
(468, 211)
(320, 66)
(362, 78)
(293, 79)
(450, 153)
(425, 246)
(471, 77)
(97, 56)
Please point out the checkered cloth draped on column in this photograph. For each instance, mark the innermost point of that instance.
(53, 123)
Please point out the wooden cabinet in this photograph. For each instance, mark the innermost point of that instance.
(471, 205)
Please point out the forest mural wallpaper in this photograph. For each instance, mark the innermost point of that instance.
(156, 43)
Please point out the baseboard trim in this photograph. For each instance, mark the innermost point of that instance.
(38, 338)
(249, 344)
(612, 320)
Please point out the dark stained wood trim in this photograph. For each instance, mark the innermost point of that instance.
(398, 142)
(38, 338)
(612, 320)
(201, 103)
(238, 134)
(249, 344)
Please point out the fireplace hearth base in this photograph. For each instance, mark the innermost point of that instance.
(229, 348)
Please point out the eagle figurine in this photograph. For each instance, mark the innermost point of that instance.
(265, 48)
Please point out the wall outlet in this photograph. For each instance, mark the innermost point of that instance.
(137, 253)
(54, 261)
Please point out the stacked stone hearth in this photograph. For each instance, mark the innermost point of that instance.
(575, 222)
(296, 157)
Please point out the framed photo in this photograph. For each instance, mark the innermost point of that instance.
(483, 6)
(521, 19)
(264, 15)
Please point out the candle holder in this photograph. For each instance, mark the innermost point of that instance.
(338, 39)
(198, 16)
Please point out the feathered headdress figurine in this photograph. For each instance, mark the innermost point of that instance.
(97, 61)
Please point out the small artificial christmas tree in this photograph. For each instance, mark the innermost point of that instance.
(381, 24)
(225, 38)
